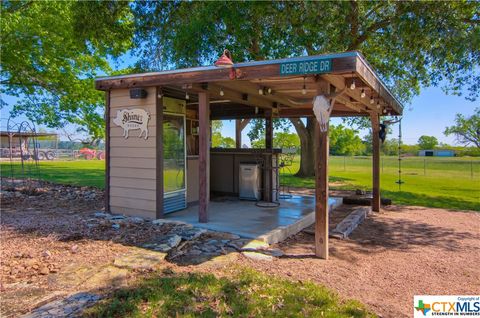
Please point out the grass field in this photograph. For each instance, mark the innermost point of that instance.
(78, 172)
(434, 182)
(247, 293)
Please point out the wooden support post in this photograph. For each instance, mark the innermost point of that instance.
(238, 133)
(240, 125)
(268, 172)
(375, 162)
(203, 156)
(321, 193)
(268, 130)
(321, 184)
(107, 151)
(159, 153)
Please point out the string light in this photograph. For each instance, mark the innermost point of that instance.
(378, 104)
(304, 89)
(260, 91)
(384, 110)
(352, 86)
(362, 94)
(372, 100)
(187, 96)
(221, 92)
(269, 90)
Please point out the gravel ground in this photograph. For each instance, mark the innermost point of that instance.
(394, 255)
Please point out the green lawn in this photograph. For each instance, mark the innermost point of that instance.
(444, 183)
(243, 293)
(78, 172)
(434, 182)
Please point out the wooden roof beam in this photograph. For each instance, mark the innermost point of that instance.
(252, 89)
(339, 82)
(232, 95)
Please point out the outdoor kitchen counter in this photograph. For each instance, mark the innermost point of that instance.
(224, 168)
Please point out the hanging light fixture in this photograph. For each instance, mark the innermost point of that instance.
(304, 89)
(362, 94)
(372, 100)
(222, 92)
(226, 61)
(384, 110)
(378, 104)
(260, 91)
(269, 90)
(187, 97)
(352, 86)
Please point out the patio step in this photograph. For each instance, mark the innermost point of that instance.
(350, 223)
(281, 233)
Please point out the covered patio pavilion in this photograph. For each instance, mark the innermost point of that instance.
(284, 88)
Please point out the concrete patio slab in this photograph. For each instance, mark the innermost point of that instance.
(247, 220)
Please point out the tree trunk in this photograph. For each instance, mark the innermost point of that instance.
(307, 135)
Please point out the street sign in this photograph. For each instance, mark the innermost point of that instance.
(317, 66)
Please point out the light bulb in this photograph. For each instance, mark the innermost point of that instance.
(304, 90)
(389, 114)
(256, 110)
(269, 90)
(352, 86)
(362, 95)
(372, 100)
(260, 91)
(378, 105)
(187, 96)
(384, 110)
(221, 92)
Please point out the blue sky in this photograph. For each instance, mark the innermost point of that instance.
(427, 114)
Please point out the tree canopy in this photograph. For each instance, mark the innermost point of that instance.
(281, 139)
(51, 53)
(427, 142)
(466, 129)
(217, 139)
(411, 44)
(345, 141)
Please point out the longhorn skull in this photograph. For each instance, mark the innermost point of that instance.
(322, 108)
